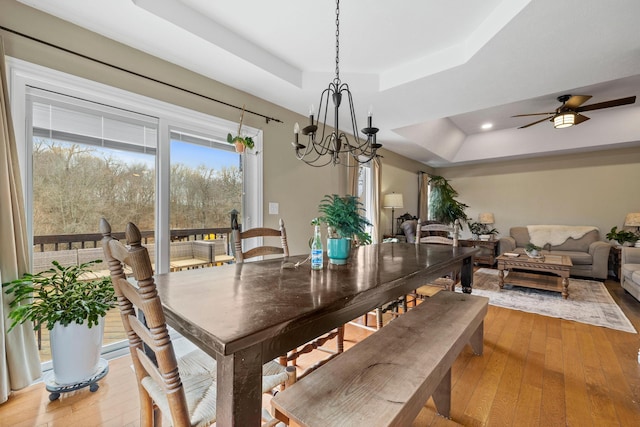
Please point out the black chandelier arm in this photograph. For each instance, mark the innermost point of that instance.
(313, 158)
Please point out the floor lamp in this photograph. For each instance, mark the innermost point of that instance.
(393, 201)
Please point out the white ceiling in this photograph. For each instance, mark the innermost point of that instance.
(432, 71)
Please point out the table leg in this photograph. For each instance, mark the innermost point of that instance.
(565, 287)
(501, 277)
(467, 275)
(239, 389)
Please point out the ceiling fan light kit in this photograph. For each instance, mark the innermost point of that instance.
(564, 120)
(568, 114)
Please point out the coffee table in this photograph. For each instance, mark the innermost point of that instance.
(529, 269)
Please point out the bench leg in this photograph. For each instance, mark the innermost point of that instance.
(442, 396)
(477, 340)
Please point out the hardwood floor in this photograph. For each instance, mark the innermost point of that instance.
(535, 371)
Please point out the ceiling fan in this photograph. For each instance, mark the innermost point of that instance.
(568, 114)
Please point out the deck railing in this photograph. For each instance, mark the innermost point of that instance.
(65, 243)
(58, 242)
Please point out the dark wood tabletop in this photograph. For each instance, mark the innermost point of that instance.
(247, 314)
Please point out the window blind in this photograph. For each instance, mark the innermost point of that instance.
(65, 118)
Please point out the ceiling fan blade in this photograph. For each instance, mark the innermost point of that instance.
(536, 122)
(533, 114)
(577, 100)
(607, 104)
(580, 118)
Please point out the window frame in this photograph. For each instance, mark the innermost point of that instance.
(22, 74)
(367, 193)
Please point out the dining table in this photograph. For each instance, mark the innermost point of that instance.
(246, 314)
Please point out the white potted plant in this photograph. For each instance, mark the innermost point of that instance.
(532, 250)
(72, 309)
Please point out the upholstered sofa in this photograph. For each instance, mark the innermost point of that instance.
(630, 271)
(582, 244)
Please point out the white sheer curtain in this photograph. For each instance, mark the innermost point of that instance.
(352, 188)
(20, 364)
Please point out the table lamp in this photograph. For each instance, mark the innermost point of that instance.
(486, 219)
(393, 201)
(633, 220)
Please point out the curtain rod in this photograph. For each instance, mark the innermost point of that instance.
(81, 55)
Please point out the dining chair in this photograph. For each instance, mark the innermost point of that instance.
(182, 389)
(442, 234)
(253, 233)
(426, 232)
(318, 343)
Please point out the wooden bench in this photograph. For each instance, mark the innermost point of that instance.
(388, 377)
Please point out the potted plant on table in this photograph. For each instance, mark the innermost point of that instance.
(481, 231)
(623, 237)
(240, 141)
(346, 225)
(532, 250)
(72, 309)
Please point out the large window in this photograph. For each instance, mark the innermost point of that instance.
(206, 181)
(90, 151)
(89, 161)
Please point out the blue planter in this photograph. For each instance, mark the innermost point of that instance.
(338, 250)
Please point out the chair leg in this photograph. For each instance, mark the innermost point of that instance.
(379, 318)
(340, 339)
(283, 360)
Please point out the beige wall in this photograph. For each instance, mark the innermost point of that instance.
(297, 188)
(400, 176)
(597, 188)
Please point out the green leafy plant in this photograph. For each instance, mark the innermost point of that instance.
(478, 228)
(58, 295)
(443, 207)
(530, 247)
(621, 236)
(247, 141)
(343, 216)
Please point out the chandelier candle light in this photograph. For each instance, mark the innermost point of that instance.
(327, 148)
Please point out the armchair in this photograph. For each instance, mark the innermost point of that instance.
(630, 269)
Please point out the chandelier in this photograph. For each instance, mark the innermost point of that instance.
(327, 147)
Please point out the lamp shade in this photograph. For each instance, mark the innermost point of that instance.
(393, 200)
(632, 219)
(486, 218)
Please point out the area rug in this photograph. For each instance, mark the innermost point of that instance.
(588, 302)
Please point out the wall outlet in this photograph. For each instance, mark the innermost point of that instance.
(274, 208)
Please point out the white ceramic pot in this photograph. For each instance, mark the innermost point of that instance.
(75, 351)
